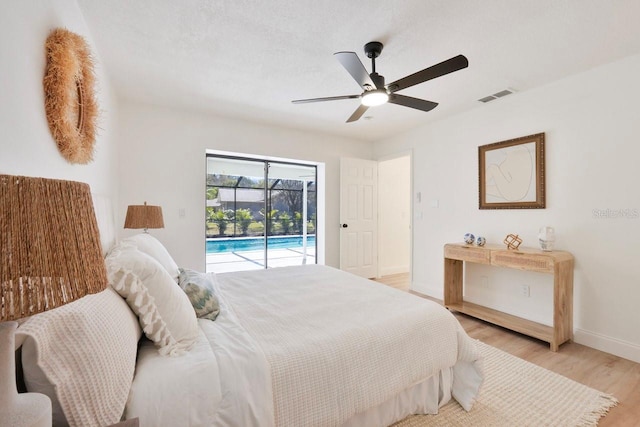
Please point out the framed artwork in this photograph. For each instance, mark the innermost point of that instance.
(511, 174)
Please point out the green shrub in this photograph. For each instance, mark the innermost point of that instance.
(276, 228)
(255, 229)
(285, 222)
(297, 222)
(244, 219)
(270, 216)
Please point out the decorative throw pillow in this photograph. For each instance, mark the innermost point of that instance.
(199, 287)
(164, 311)
(151, 246)
(83, 356)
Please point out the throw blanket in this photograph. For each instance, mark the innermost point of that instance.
(338, 344)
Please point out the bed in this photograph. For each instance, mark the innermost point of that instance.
(292, 346)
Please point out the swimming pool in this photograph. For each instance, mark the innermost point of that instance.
(215, 246)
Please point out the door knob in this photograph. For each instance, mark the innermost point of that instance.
(345, 225)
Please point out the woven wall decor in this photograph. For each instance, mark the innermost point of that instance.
(69, 96)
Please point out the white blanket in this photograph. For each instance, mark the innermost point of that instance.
(308, 346)
(167, 390)
(337, 344)
(223, 380)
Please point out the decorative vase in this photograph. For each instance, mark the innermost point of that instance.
(469, 238)
(480, 241)
(546, 238)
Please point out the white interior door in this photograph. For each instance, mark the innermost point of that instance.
(359, 216)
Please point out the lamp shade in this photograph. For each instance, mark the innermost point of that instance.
(144, 216)
(50, 243)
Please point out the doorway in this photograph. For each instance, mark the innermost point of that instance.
(375, 216)
(259, 213)
(394, 215)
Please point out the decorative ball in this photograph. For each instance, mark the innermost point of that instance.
(469, 238)
(480, 241)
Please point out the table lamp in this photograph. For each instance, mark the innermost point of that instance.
(144, 216)
(51, 256)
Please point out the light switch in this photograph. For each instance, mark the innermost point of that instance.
(182, 213)
(435, 203)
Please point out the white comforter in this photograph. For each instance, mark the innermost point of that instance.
(338, 345)
(314, 346)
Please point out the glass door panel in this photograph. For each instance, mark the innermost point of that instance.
(234, 220)
(259, 214)
(291, 234)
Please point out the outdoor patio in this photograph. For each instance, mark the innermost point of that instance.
(224, 262)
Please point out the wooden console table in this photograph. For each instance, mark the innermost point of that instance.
(558, 263)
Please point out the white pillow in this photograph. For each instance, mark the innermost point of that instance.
(164, 311)
(199, 287)
(82, 356)
(151, 246)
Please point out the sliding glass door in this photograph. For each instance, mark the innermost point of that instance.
(259, 214)
(291, 219)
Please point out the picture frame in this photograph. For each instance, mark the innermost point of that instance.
(511, 174)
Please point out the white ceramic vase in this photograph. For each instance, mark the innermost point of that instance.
(546, 238)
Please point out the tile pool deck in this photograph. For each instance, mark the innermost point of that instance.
(224, 262)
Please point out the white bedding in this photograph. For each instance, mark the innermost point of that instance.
(313, 346)
(166, 391)
(223, 380)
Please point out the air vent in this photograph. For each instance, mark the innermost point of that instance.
(487, 99)
(502, 93)
(497, 95)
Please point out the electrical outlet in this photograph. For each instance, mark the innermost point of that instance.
(525, 291)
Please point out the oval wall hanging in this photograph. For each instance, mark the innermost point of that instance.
(70, 102)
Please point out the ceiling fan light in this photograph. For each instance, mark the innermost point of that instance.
(374, 98)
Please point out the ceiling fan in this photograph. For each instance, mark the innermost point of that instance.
(376, 92)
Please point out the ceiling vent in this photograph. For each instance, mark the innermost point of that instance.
(497, 95)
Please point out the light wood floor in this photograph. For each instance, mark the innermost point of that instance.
(596, 369)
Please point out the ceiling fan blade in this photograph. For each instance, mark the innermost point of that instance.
(329, 98)
(353, 65)
(445, 67)
(358, 113)
(408, 101)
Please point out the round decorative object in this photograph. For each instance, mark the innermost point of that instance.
(70, 102)
(481, 241)
(469, 238)
(512, 241)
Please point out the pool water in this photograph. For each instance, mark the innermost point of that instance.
(215, 246)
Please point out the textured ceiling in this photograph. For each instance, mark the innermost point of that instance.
(249, 59)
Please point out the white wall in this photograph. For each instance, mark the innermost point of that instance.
(592, 151)
(26, 145)
(394, 215)
(162, 161)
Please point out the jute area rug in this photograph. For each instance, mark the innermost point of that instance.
(518, 393)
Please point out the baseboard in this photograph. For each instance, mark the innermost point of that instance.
(615, 346)
(620, 348)
(387, 271)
